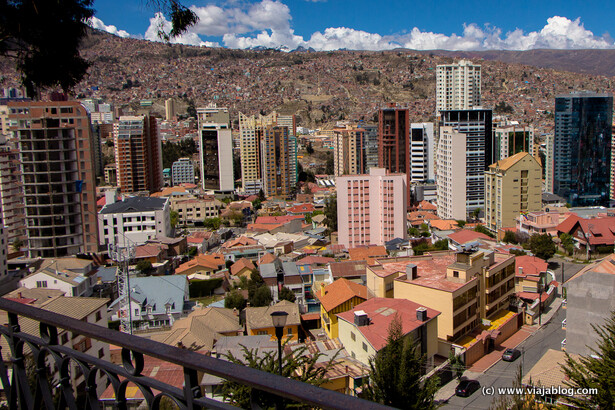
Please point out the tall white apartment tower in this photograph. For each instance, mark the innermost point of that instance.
(216, 149)
(421, 152)
(451, 164)
(457, 86)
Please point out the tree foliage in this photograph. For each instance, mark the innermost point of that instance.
(43, 38)
(287, 294)
(481, 228)
(396, 371)
(212, 223)
(457, 365)
(567, 243)
(542, 246)
(234, 300)
(174, 216)
(595, 370)
(261, 297)
(300, 365)
(331, 213)
(144, 266)
(172, 151)
(509, 237)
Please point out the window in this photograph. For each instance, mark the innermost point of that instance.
(261, 332)
(64, 338)
(41, 283)
(98, 316)
(101, 353)
(290, 331)
(455, 274)
(364, 346)
(353, 336)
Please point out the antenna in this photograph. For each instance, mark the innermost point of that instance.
(122, 256)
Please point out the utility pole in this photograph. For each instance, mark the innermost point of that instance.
(122, 256)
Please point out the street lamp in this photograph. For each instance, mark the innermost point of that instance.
(279, 321)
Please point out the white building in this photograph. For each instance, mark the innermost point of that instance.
(216, 149)
(451, 164)
(421, 152)
(134, 220)
(73, 276)
(458, 86)
(182, 172)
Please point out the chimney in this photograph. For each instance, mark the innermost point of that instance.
(20, 295)
(411, 271)
(110, 196)
(361, 318)
(520, 270)
(322, 289)
(421, 314)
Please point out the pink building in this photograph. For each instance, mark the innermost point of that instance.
(371, 209)
(540, 222)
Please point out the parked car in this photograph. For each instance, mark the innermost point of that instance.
(467, 387)
(510, 355)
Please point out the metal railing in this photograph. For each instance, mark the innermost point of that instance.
(18, 388)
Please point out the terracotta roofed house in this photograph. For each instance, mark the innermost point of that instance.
(338, 297)
(259, 322)
(367, 253)
(204, 264)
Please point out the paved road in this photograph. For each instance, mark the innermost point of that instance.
(570, 268)
(503, 373)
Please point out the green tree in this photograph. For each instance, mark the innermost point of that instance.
(461, 223)
(309, 148)
(17, 244)
(396, 371)
(542, 246)
(331, 213)
(174, 215)
(456, 364)
(212, 223)
(287, 294)
(43, 37)
(413, 232)
(330, 164)
(144, 266)
(481, 228)
(476, 213)
(595, 371)
(234, 300)
(261, 195)
(509, 237)
(299, 365)
(257, 204)
(441, 245)
(567, 243)
(262, 297)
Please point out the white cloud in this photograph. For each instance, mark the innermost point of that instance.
(268, 24)
(97, 23)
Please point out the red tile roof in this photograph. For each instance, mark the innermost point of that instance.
(147, 251)
(259, 227)
(301, 209)
(427, 206)
(466, 235)
(529, 265)
(241, 241)
(315, 260)
(268, 257)
(348, 269)
(602, 230)
(444, 224)
(339, 292)
(568, 224)
(213, 261)
(381, 312)
(242, 264)
(277, 219)
(367, 253)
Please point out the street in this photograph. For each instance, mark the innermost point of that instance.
(570, 268)
(503, 373)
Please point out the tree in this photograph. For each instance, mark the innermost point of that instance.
(234, 300)
(456, 364)
(309, 148)
(299, 365)
(261, 195)
(441, 245)
(43, 38)
(509, 237)
(413, 232)
(212, 223)
(475, 213)
(287, 294)
(396, 371)
(330, 164)
(262, 297)
(596, 370)
(461, 223)
(17, 244)
(567, 243)
(174, 215)
(481, 228)
(257, 204)
(542, 246)
(331, 213)
(144, 266)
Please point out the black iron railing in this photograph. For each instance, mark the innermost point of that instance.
(21, 393)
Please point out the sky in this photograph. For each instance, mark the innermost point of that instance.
(373, 24)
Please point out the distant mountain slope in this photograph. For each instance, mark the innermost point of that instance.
(596, 62)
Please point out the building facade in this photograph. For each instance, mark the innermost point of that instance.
(475, 125)
(579, 155)
(370, 145)
(512, 139)
(216, 149)
(421, 152)
(348, 154)
(458, 86)
(182, 172)
(11, 193)
(451, 163)
(513, 186)
(57, 164)
(138, 154)
(394, 141)
(371, 209)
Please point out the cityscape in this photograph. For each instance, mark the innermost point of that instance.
(401, 229)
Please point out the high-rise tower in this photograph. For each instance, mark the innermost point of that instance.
(458, 86)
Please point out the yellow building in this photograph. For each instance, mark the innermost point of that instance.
(340, 296)
(258, 320)
(363, 330)
(512, 186)
(465, 286)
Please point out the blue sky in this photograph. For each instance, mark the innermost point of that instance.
(374, 25)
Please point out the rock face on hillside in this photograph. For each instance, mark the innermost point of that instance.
(320, 87)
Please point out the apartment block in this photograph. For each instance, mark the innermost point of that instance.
(57, 163)
(11, 192)
(196, 210)
(138, 154)
(276, 161)
(466, 286)
(169, 109)
(451, 164)
(394, 141)
(182, 172)
(348, 154)
(513, 186)
(370, 146)
(371, 209)
(510, 139)
(422, 152)
(216, 149)
(458, 86)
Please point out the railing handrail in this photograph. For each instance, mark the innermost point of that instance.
(260, 380)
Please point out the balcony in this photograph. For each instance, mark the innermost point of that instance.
(47, 347)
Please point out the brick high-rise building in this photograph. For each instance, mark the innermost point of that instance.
(57, 160)
(138, 154)
(276, 161)
(349, 153)
(371, 209)
(394, 142)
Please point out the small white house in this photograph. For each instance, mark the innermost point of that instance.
(134, 220)
(70, 275)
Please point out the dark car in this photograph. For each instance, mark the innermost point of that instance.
(510, 355)
(467, 387)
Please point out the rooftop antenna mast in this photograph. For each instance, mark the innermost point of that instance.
(122, 256)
